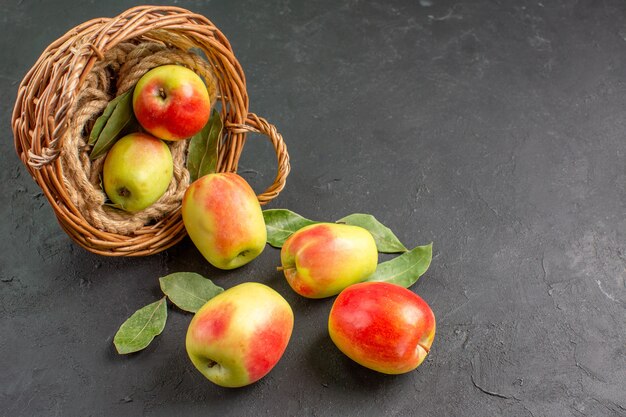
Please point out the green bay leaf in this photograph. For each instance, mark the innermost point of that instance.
(101, 121)
(282, 223)
(203, 148)
(119, 122)
(405, 269)
(140, 329)
(188, 290)
(386, 241)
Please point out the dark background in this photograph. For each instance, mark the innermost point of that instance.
(494, 129)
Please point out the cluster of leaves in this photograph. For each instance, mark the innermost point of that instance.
(187, 290)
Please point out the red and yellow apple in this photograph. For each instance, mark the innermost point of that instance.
(171, 102)
(223, 218)
(322, 259)
(382, 326)
(137, 171)
(238, 336)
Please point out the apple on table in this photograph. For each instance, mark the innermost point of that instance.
(238, 336)
(322, 259)
(171, 102)
(382, 326)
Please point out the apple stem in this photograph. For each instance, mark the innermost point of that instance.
(162, 93)
(282, 268)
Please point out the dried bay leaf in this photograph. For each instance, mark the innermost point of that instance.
(188, 290)
(203, 148)
(141, 328)
(282, 223)
(386, 240)
(119, 122)
(405, 269)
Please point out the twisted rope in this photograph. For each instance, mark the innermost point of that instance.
(119, 71)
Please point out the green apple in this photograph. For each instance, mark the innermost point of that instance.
(171, 102)
(238, 336)
(322, 259)
(137, 171)
(382, 326)
(223, 218)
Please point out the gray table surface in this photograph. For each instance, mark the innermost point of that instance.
(494, 129)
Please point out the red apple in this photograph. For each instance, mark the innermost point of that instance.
(238, 336)
(171, 102)
(382, 326)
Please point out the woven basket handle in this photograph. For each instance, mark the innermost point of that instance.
(256, 124)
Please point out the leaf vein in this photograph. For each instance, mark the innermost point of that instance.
(147, 321)
(417, 261)
(184, 290)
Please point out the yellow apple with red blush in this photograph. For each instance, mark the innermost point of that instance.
(322, 259)
(238, 336)
(223, 218)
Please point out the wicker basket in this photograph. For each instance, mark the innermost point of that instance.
(48, 99)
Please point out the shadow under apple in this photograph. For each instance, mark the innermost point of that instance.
(336, 370)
